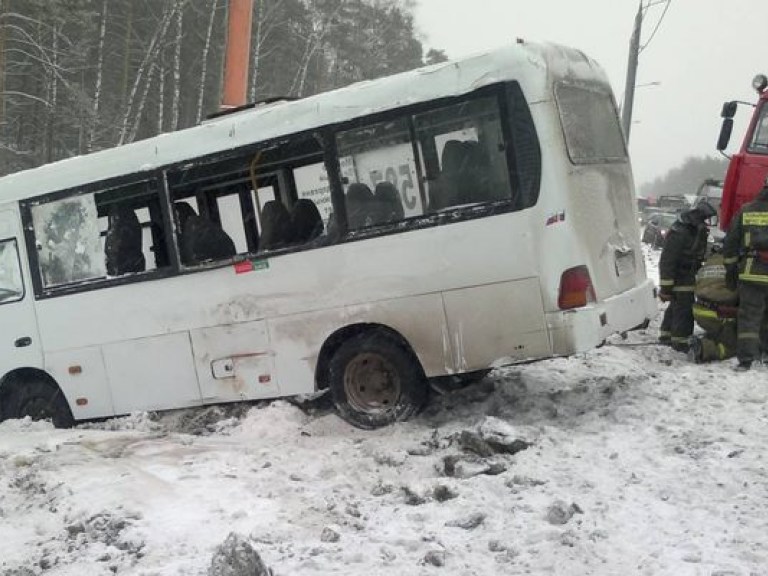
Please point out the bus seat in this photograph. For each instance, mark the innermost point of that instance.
(201, 240)
(306, 221)
(388, 205)
(276, 226)
(444, 190)
(360, 206)
(123, 243)
(183, 212)
(474, 175)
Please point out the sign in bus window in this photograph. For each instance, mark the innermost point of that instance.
(11, 285)
(312, 184)
(68, 242)
(378, 168)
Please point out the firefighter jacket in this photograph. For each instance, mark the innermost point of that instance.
(746, 242)
(684, 249)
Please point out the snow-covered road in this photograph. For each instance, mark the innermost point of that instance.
(625, 460)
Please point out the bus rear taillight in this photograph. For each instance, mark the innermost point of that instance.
(576, 288)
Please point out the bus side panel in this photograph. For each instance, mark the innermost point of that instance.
(496, 323)
(419, 319)
(297, 340)
(83, 379)
(153, 373)
(234, 362)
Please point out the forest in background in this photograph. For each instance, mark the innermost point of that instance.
(83, 75)
(686, 178)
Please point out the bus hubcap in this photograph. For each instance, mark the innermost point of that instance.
(371, 383)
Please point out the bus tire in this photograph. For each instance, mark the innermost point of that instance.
(375, 381)
(38, 399)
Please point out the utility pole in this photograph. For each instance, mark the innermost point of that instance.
(236, 62)
(629, 89)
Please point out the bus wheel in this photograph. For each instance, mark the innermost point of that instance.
(39, 400)
(376, 381)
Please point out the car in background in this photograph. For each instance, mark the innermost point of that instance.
(647, 212)
(657, 227)
(673, 203)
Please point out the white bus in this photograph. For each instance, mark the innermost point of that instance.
(439, 222)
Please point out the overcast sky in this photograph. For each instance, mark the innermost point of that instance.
(704, 52)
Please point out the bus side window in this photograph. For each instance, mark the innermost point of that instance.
(132, 229)
(213, 210)
(378, 167)
(468, 141)
(69, 245)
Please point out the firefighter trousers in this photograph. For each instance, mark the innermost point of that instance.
(753, 304)
(720, 344)
(677, 324)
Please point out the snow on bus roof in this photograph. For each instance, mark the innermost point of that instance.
(522, 61)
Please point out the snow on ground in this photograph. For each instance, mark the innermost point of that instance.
(628, 460)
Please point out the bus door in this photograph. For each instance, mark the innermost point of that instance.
(20, 342)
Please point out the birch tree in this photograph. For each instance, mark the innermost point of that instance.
(99, 75)
(144, 75)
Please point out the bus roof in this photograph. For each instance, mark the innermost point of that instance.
(522, 61)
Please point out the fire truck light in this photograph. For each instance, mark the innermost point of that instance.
(760, 83)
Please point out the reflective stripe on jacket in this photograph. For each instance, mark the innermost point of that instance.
(746, 243)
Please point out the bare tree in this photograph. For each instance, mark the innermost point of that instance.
(128, 131)
(177, 65)
(204, 58)
(99, 74)
(321, 25)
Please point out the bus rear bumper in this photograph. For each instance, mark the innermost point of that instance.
(579, 330)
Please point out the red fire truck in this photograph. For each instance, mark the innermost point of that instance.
(749, 166)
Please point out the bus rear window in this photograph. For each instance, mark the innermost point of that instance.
(590, 124)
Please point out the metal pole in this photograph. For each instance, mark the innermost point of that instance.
(236, 63)
(629, 90)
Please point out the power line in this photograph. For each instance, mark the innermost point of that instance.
(658, 24)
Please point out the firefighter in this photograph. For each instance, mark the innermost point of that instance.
(715, 312)
(684, 250)
(745, 249)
